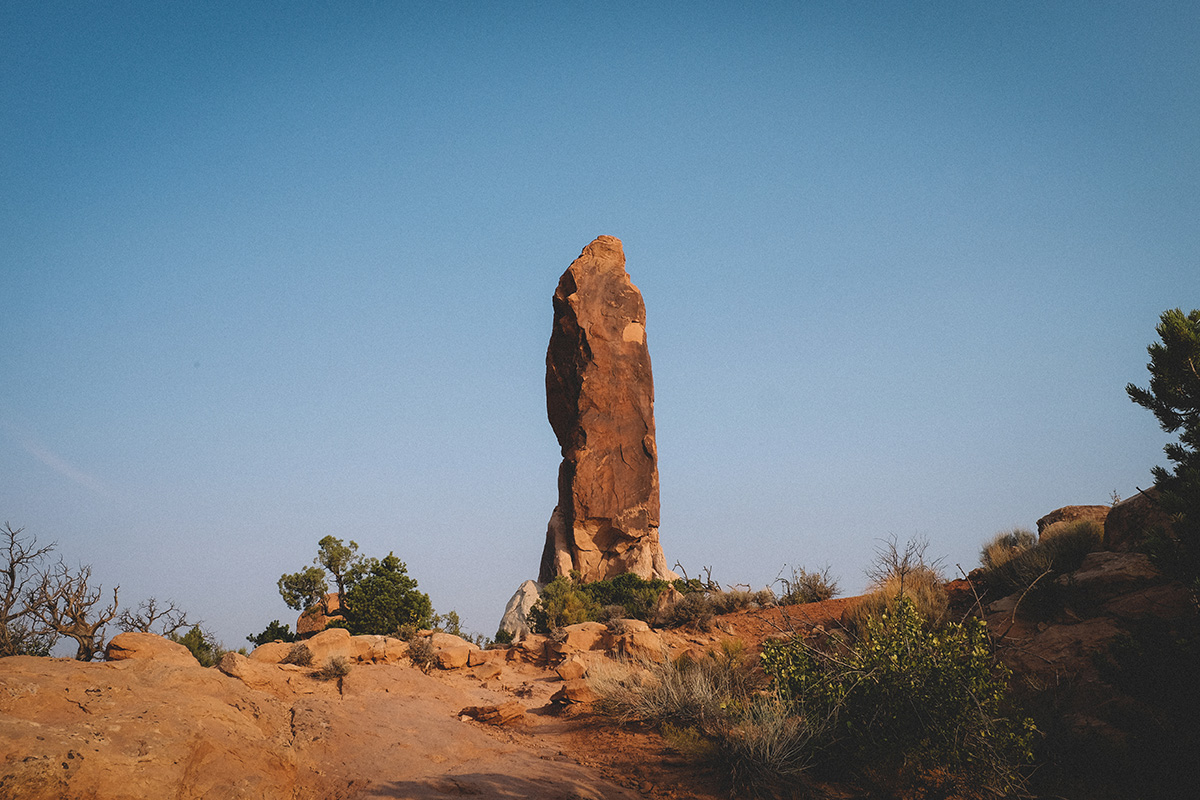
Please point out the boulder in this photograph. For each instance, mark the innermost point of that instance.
(531, 650)
(639, 645)
(516, 611)
(272, 652)
(439, 640)
(315, 619)
(136, 645)
(281, 680)
(571, 669)
(453, 656)
(379, 649)
(578, 691)
(578, 637)
(1168, 601)
(1130, 521)
(479, 657)
(1072, 514)
(334, 642)
(600, 402)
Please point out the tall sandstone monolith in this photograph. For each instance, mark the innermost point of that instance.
(600, 400)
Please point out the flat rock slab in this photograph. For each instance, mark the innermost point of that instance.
(145, 729)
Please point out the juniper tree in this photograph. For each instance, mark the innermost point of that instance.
(1174, 398)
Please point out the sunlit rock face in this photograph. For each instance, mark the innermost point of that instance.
(600, 400)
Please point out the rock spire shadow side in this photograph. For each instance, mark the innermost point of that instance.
(600, 401)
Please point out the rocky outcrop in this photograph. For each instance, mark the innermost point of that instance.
(516, 612)
(1132, 520)
(315, 619)
(1072, 514)
(135, 645)
(600, 401)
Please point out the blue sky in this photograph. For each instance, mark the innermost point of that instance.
(272, 271)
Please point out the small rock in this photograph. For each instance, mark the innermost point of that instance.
(508, 713)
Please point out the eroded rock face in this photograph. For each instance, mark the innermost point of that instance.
(600, 400)
(1071, 514)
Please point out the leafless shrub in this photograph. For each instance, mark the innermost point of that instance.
(151, 616)
(334, 669)
(299, 655)
(806, 587)
(421, 653)
(66, 604)
(21, 629)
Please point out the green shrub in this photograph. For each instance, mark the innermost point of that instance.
(201, 644)
(921, 585)
(905, 694)
(638, 596)
(503, 637)
(274, 632)
(1004, 545)
(385, 599)
(562, 602)
(807, 587)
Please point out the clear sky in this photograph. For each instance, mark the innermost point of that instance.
(272, 271)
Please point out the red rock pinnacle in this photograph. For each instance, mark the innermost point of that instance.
(600, 400)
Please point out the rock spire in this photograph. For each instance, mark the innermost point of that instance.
(600, 400)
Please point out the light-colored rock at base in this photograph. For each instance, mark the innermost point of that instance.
(136, 645)
(516, 611)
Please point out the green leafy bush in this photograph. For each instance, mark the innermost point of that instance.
(274, 632)
(201, 644)
(562, 602)
(384, 599)
(905, 694)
